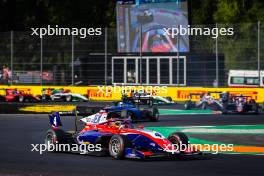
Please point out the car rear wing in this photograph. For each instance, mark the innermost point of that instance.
(55, 120)
(143, 100)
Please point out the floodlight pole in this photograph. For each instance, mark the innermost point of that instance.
(41, 60)
(216, 60)
(11, 56)
(140, 67)
(106, 56)
(259, 53)
(72, 61)
(178, 58)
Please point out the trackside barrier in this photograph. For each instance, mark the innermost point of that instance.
(108, 93)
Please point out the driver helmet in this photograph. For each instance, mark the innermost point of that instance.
(121, 104)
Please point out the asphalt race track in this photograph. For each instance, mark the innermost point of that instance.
(18, 132)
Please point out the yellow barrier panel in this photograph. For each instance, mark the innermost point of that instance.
(111, 93)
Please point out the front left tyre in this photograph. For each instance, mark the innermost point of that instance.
(179, 138)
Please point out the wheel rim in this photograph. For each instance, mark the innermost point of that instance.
(50, 139)
(175, 140)
(129, 116)
(20, 99)
(157, 116)
(115, 146)
(68, 98)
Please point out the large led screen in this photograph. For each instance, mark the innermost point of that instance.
(142, 24)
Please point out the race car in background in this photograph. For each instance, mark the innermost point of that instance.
(206, 101)
(240, 104)
(15, 95)
(225, 103)
(61, 95)
(141, 110)
(132, 112)
(157, 100)
(119, 138)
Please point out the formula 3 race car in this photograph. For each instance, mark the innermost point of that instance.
(15, 95)
(119, 139)
(225, 103)
(61, 95)
(139, 109)
(157, 100)
(129, 111)
(206, 101)
(240, 104)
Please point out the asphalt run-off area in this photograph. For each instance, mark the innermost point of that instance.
(245, 132)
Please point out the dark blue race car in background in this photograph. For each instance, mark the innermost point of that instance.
(141, 110)
(134, 112)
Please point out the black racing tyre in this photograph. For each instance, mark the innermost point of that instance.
(188, 105)
(117, 145)
(169, 98)
(204, 105)
(179, 138)
(21, 99)
(48, 98)
(27, 99)
(68, 98)
(224, 110)
(255, 108)
(130, 115)
(154, 116)
(57, 136)
(2, 98)
(39, 97)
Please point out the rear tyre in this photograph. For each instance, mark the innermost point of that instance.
(68, 98)
(154, 116)
(55, 137)
(21, 99)
(188, 105)
(169, 99)
(204, 105)
(131, 116)
(117, 145)
(2, 99)
(27, 99)
(224, 110)
(255, 107)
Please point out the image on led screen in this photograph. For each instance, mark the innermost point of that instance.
(151, 19)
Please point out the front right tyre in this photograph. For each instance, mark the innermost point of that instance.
(117, 146)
